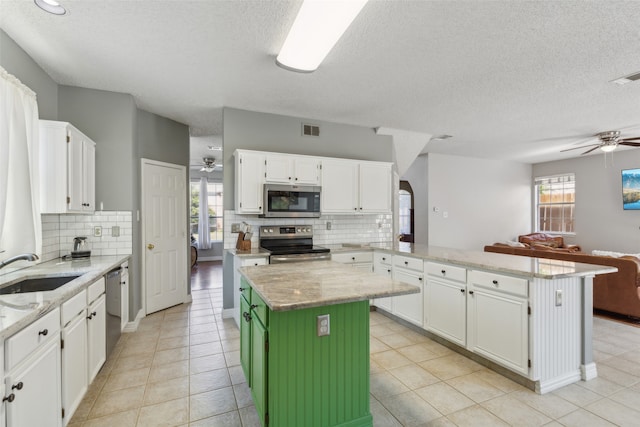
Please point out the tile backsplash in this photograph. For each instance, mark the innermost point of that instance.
(58, 232)
(344, 228)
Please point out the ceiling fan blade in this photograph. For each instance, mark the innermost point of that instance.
(577, 148)
(594, 148)
(629, 143)
(636, 138)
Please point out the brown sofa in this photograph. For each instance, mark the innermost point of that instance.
(614, 292)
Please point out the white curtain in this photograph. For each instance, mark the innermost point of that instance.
(204, 235)
(20, 222)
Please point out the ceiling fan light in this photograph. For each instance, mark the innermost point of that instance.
(316, 29)
(607, 148)
(51, 6)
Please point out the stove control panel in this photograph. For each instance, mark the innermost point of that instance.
(283, 231)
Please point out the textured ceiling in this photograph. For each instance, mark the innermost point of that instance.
(508, 79)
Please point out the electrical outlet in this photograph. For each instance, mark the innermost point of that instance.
(323, 325)
(97, 231)
(328, 225)
(445, 214)
(115, 231)
(235, 228)
(558, 297)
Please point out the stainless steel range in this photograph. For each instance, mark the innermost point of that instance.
(291, 243)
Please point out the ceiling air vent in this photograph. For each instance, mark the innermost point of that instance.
(310, 130)
(627, 79)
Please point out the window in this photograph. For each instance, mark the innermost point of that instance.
(555, 203)
(215, 209)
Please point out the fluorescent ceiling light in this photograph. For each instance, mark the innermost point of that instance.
(317, 28)
(51, 6)
(214, 148)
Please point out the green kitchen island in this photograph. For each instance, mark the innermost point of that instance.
(304, 341)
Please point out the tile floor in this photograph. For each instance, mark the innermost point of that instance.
(181, 368)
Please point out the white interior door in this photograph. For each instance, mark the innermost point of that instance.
(164, 234)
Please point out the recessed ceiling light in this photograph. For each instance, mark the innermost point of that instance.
(317, 28)
(441, 137)
(51, 6)
(627, 79)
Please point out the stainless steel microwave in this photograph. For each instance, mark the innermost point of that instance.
(291, 201)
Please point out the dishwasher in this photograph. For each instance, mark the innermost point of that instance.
(114, 308)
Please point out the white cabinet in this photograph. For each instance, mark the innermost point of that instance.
(249, 181)
(445, 302)
(74, 354)
(290, 169)
(354, 187)
(67, 169)
(360, 260)
(124, 295)
(382, 266)
(339, 186)
(409, 307)
(497, 322)
(96, 328)
(243, 261)
(32, 383)
(375, 187)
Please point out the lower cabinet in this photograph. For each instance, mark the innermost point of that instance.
(32, 381)
(245, 339)
(96, 336)
(409, 307)
(243, 261)
(124, 295)
(74, 365)
(382, 266)
(259, 366)
(445, 302)
(360, 260)
(498, 321)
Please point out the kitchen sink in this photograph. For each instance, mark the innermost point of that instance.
(38, 284)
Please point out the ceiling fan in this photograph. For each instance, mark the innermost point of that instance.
(609, 141)
(208, 165)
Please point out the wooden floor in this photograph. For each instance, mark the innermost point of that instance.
(206, 275)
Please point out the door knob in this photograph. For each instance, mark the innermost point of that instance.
(150, 246)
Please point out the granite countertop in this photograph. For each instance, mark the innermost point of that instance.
(19, 310)
(299, 285)
(253, 252)
(522, 266)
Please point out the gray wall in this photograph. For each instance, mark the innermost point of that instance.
(417, 177)
(17, 62)
(123, 135)
(283, 134)
(600, 221)
(487, 201)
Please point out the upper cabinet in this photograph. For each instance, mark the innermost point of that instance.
(67, 169)
(291, 169)
(249, 181)
(348, 186)
(355, 187)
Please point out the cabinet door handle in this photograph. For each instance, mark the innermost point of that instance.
(444, 272)
(389, 271)
(353, 258)
(9, 398)
(43, 332)
(470, 292)
(253, 306)
(406, 263)
(17, 386)
(247, 316)
(420, 279)
(241, 289)
(462, 290)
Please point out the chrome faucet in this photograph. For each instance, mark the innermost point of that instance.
(26, 257)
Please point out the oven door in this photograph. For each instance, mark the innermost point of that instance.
(279, 259)
(291, 201)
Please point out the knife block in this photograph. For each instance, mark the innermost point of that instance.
(241, 244)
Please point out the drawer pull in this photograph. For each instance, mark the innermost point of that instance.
(242, 289)
(470, 292)
(17, 386)
(253, 306)
(91, 315)
(353, 258)
(462, 290)
(384, 259)
(495, 282)
(406, 263)
(9, 398)
(247, 316)
(444, 272)
(389, 271)
(256, 264)
(420, 279)
(43, 332)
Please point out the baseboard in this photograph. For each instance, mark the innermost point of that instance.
(227, 313)
(188, 299)
(588, 371)
(546, 386)
(133, 326)
(209, 258)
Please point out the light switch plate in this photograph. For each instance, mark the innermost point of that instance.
(115, 231)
